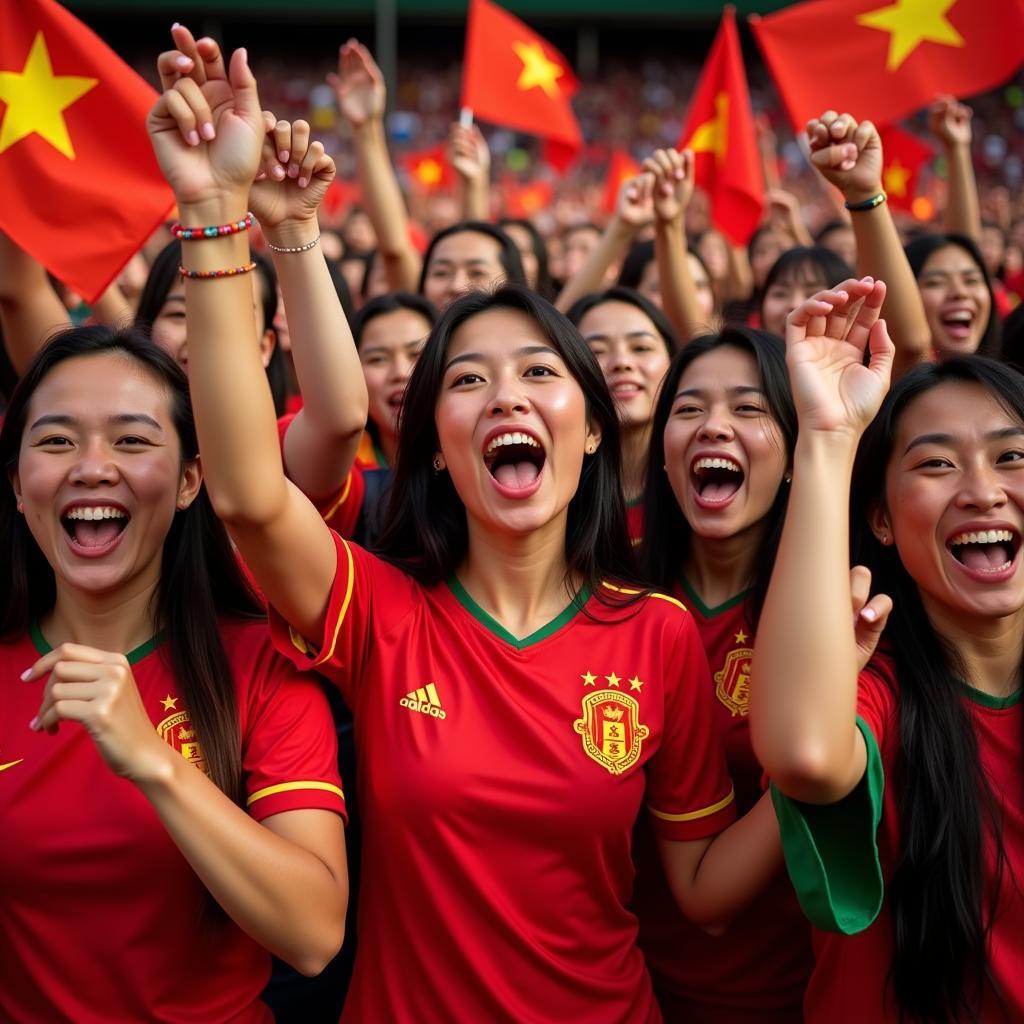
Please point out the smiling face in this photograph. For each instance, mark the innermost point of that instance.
(954, 501)
(793, 287)
(100, 473)
(511, 423)
(956, 301)
(724, 452)
(632, 357)
(461, 263)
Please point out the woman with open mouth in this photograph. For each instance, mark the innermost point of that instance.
(169, 793)
(516, 703)
(899, 788)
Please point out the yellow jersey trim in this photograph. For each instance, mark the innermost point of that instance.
(694, 815)
(661, 597)
(288, 787)
(349, 584)
(341, 500)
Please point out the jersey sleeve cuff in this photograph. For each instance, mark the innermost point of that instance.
(302, 795)
(694, 824)
(832, 850)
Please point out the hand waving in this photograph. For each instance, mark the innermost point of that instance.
(847, 154)
(673, 182)
(826, 338)
(358, 85)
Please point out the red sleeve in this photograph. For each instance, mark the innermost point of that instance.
(876, 700)
(689, 793)
(289, 746)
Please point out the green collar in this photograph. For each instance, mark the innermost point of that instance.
(705, 611)
(986, 700)
(134, 657)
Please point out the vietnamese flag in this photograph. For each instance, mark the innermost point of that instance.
(525, 201)
(904, 156)
(720, 130)
(621, 168)
(80, 184)
(429, 168)
(881, 60)
(514, 78)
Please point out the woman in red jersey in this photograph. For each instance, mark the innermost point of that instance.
(169, 793)
(900, 792)
(515, 706)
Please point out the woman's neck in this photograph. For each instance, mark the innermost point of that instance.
(518, 579)
(718, 569)
(635, 442)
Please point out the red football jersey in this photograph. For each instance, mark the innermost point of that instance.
(758, 970)
(499, 783)
(848, 984)
(635, 520)
(101, 916)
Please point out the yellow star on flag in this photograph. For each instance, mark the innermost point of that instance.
(36, 99)
(589, 679)
(635, 683)
(429, 171)
(910, 23)
(613, 679)
(170, 703)
(537, 71)
(713, 136)
(895, 178)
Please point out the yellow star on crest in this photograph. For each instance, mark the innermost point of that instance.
(741, 637)
(895, 179)
(589, 679)
(910, 23)
(635, 683)
(170, 703)
(36, 99)
(537, 71)
(713, 136)
(613, 679)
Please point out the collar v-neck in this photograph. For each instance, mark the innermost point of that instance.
(43, 646)
(705, 611)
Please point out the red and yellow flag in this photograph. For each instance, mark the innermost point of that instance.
(904, 156)
(429, 169)
(720, 130)
(880, 60)
(526, 200)
(621, 168)
(81, 190)
(514, 78)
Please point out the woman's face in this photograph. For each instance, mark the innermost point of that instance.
(390, 345)
(956, 301)
(100, 474)
(705, 293)
(796, 285)
(632, 357)
(511, 423)
(954, 502)
(714, 251)
(767, 248)
(724, 451)
(524, 243)
(463, 262)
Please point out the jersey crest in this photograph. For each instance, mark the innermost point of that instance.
(611, 729)
(177, 731)
(732, 681)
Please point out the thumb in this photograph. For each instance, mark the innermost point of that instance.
(882, 350)
(243, 84)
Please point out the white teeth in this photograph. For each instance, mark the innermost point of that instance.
(511, 438)
(983, 537)
(717, 464)
(95, 512)
(962, 316)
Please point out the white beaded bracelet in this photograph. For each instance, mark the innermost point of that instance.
(294, 248)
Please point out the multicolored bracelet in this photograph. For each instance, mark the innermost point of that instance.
(207, 275)
(867, 204)
(213, 231)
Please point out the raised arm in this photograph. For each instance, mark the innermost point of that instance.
(849, 155)
(634, 211)
(321, 442)
(282, 538)
(804, 694)
(470, 156)
(359, 86)
(951, 122)
(784, 211)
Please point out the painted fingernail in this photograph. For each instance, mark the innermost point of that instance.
(283, 156)
(868, 613)
(277, 173)
(303, 182)
(245, 54)
(183, 62)
(208, 131)
(193, 138)
(26, 673)
(34, 724)
(293, 170)
(177, 24)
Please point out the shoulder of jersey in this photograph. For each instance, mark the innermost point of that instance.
(652, 598)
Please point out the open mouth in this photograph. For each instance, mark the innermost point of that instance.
(94, 527)
(716, 479)
(958, 323)
(985, 550)
(514, 459)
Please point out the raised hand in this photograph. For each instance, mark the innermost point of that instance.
(294, 176)
(635, 206)
(206, 127)
(97, 690)
(950, 121)
(826, 339)
(468, 152)
(358, 85)
(672, 184)
(869, 616)
(847, 154)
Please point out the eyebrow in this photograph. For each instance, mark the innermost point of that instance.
(63, 420)
(1002, 434)
(603, 336)
(742, 389)
(477, 357)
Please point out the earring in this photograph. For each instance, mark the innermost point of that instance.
(437, 466)
(21, 507)
(788, 478)
(886, 539)
(591, 448)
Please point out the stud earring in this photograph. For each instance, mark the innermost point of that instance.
(591, 448)
(437, 465)
(21, 507)
(788, 478)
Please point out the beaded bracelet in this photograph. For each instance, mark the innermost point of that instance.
(213, 231)
(293, 248)
(207, 275)
(867, 204)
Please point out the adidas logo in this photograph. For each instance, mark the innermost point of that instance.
(424, 700)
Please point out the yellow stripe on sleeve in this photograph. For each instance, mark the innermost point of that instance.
(288, 787)
(694, 815)
(661, 597)
(341, 500)
(350, 583)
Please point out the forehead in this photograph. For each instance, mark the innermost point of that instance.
(724, 367)
(467, 246)
(949, 258)
(496, 334)
(961, 408)
(801, 272)
(616, 318)
(395, 329)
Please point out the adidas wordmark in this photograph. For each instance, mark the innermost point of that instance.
(424, 700)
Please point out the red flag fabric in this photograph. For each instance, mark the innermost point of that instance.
(720, 130)
(620, 168)
(904, 156)
(80, 184)
(514, 78)
(881, 60)
(341, 195)
(429, 169)
(526, 200)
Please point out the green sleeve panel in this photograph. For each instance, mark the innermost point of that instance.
(832, 850)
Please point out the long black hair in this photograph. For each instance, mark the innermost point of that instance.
(544, 287)
(667, 535)
(200, 580)
(508, 254)
(807, 261)
(618, 293)
(940, 919)
(425, 529)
